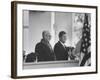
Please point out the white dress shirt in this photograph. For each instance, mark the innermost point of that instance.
(63, 44)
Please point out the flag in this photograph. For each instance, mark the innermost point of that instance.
(86, 43)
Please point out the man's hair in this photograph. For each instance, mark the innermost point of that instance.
(44, 32)
(61, 33)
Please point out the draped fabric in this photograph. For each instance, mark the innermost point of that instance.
(86, 43)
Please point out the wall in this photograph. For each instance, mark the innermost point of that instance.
(5, 41)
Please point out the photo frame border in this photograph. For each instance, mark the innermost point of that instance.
(14, 37)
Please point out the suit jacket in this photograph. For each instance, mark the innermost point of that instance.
(44, 51)
(61, 52)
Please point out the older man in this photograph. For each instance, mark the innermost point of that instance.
(43, 49)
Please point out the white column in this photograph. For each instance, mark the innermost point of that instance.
(52, 29)
(26, 31)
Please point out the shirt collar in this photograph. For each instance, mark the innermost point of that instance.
(62, 43)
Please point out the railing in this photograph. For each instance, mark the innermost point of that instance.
(51, 64)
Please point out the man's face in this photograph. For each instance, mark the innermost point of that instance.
(48, 36)
(63, 38)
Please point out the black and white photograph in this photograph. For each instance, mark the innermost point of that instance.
(54, 39)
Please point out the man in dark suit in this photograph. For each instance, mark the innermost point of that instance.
(61, 51)
(43, 49)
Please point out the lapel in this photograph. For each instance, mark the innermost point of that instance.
(62, 45)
